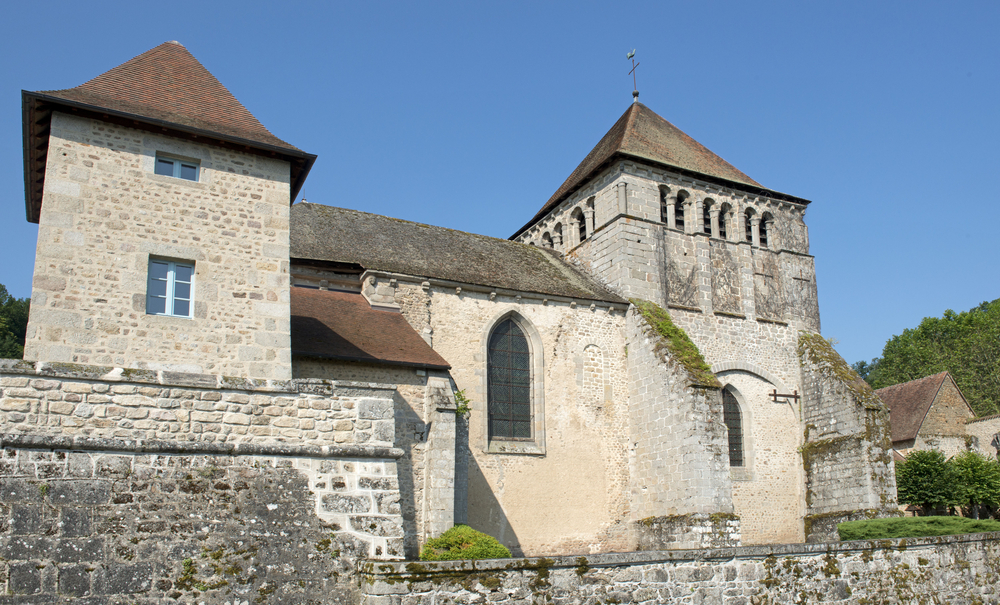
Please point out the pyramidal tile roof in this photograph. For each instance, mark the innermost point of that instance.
(642, 134)
(168, 84)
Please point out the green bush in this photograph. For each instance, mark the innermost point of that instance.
(463, 542)
(913, 527)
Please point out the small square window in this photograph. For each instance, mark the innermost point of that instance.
(181, 169)
(169, 288)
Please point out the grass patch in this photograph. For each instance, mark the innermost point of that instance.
(677, 343)
(913, 527)
(463, 542)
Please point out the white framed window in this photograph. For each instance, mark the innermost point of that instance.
(181, 169)
(170, 288)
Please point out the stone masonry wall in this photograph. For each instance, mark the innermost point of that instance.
(959, 570)
(982, 432)
(146, 485)
(106, 526)
(425, 432)
(680, 458)
(104, 214)
(846, 450)
(111, 403)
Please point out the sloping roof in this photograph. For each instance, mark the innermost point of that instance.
(908, 404)
(164, 89)
(381, 243)
(642, 134)
(342, 325)
(167, 83)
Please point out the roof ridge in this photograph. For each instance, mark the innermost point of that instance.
(403, 220)
(168, 83)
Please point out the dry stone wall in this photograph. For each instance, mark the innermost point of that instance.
(959, 570)
(105, 213)
(123, 486)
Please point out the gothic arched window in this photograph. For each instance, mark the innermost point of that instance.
(734, 422)
(508, 369)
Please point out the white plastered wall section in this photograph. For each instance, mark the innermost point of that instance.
(570, 495)
(105, 213)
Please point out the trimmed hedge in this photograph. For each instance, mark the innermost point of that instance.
(913, 527)
(463, 542)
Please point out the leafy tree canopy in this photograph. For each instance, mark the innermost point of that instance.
(978, 480)
(966, 344)
(13, 324)
(927, 480)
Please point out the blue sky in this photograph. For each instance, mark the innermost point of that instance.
(470, 115)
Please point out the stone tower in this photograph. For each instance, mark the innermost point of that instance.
(162, 206)
(656, 216)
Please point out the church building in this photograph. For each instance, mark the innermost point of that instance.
(638, 367)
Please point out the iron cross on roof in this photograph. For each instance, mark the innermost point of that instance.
(635, 89)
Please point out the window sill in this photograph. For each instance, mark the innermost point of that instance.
(167, 319)
(524, 448)
(740, 473)
(173, 180)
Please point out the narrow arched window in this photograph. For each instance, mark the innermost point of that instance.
(722, 221)
(581, 224)
(509, 382)
(663, 206)
(734, 422)
(765, 222)
(707, 218)
(679, 211)
(546, 240)
(749, 227)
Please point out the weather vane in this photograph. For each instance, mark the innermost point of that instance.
(635, 91)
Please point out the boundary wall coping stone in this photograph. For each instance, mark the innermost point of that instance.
(180, 379)
(152, 446)
(403, 568)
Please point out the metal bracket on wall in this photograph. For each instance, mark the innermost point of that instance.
(775, 394)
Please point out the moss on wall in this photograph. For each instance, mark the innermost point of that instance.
(818, 351)
(674, 344)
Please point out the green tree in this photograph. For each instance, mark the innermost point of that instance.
(927, 480)
(966, 344)
(13, 324)
(978, 479)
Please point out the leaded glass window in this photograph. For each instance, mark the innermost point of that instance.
(734, 422)
(509, 382)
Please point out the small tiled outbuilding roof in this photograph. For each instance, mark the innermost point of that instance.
(642, 134)
(167, 88)
(343, 326)
(908, 404)
(381, 243)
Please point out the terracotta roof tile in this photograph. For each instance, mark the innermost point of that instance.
(342, 325)
(641, 133)
(168, 84)
(908, 404)
(381, 243)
